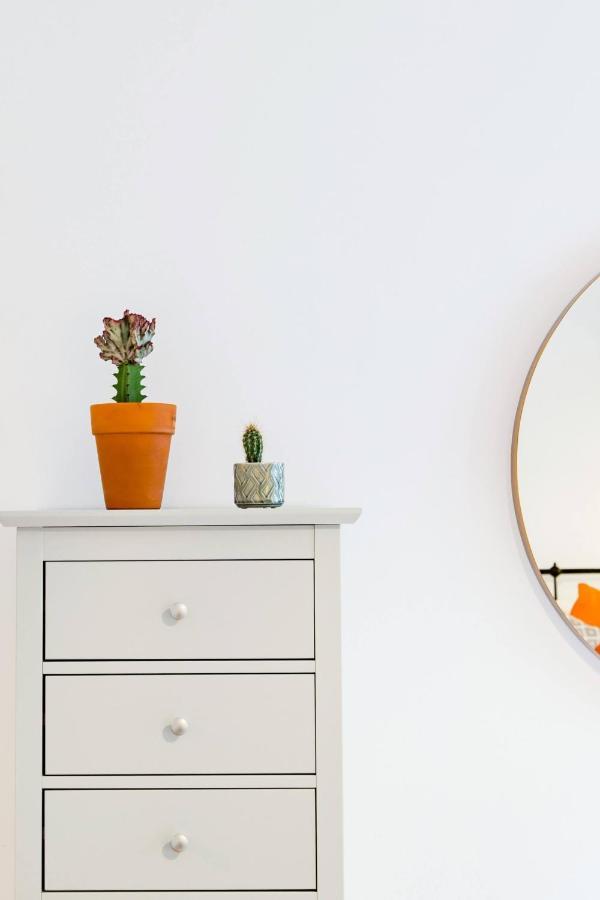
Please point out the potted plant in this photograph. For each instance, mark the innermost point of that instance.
(257, 483)
(132, 438)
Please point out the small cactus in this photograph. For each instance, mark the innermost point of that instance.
(126, 342)
(253, 444)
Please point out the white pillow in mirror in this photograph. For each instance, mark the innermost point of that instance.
(589, 633)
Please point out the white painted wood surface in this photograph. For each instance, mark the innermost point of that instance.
(329, 712)
(179, 781)
(238, 840)
(236, 610)
(175, 895)
(29, 736)
(177, 666)
(271, 591)
(121, 724)
(293, 542)
(225, 515)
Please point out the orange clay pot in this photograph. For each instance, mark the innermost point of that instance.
(133, 442)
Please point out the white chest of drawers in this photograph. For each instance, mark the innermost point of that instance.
(178, 708)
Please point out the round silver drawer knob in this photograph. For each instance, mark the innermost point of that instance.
(178, 611)
(179, 726)
(179, 843)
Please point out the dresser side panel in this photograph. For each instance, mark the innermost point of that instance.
(29, 715)
(328, 713)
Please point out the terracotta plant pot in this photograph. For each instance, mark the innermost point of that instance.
(133, 442)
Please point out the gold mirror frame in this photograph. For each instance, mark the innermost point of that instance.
(514, 476)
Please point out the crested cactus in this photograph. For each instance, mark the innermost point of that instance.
(253, 444)
(126, 342)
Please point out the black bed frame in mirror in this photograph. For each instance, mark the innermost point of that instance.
(555, 572)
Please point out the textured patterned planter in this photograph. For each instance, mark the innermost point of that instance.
(258, 484)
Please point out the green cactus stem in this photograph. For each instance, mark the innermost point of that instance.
(253, 444)
(128, 383)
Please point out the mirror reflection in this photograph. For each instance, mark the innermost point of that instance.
(557, 466)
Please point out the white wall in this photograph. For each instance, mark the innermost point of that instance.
(355, 222)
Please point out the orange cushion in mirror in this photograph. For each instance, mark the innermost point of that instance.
(587, 605)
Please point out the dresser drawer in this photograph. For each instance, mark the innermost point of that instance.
(233, 609)
(119, 840)
(232, 724)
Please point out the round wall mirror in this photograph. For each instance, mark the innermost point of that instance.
(556, 464)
